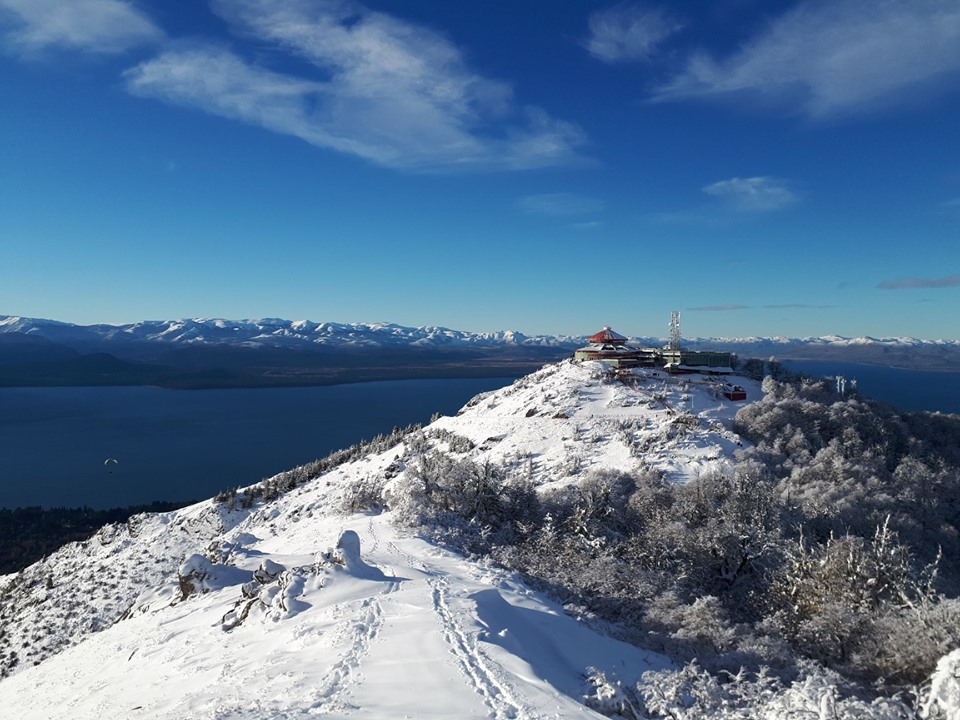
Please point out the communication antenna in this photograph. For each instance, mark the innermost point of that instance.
(675, 330)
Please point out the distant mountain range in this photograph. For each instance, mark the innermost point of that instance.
(209, 352)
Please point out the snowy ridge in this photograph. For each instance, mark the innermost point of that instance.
(834, 340)
(567, 418)
(277, 332)
(294, 608)
(274, 332)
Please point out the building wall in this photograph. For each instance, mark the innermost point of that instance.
(657, 358)
(703, 358)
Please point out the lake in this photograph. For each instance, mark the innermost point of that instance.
(179, 445)
(906, 389)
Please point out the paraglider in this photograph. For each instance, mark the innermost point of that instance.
(109, 463)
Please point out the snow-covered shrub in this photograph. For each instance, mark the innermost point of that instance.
(843, 600)
(681, 628)
(692, 693)
(282, 601)
(902, 645)
(686, 694)
(271, 488)
(943, 697)
(609, 697)
(474, 506)
(273, 592)
(365, 493)
(455, 443)
(752, 368)
(601, 511)
(721, 533)
(192, 575)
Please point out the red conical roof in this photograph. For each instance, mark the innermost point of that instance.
(607, 336)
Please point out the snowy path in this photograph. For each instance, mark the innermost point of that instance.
(445, 654)
(422, 633)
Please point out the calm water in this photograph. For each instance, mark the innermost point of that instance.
(180, 445)
(906, 389)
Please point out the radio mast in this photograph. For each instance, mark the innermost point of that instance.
(675, 330)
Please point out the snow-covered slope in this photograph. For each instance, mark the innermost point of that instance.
(211, 612)
(402, 630)
(568, 418)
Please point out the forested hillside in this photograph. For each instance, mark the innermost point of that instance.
(29, 533)
(833, 538)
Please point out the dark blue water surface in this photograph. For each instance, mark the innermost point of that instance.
(180, 445)
(906, 389)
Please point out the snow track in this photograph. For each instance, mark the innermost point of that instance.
(409, 631)
(470, 658)
(357, 633)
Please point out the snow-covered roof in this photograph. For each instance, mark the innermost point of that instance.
(607, 348)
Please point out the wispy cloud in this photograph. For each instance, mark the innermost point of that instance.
(799, 306)
(754, 194)
(829, 58)
(560, 204)
(384, 89)
(719, 308)
(921, 283)
(99, 26)
(785, 306)
(628, 32)
(219, 82)
(589, 225)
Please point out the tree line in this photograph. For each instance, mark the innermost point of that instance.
(28, 534)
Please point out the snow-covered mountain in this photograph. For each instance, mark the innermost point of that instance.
(255, 353)
(296, 607)
(276, 332)
(271, 332)
(209, 352)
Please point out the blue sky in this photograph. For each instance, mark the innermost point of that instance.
(765, 167)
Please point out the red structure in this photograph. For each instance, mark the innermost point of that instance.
(612, 348)
(607, 337)
(735, 393)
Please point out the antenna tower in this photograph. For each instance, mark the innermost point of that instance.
(675, 330)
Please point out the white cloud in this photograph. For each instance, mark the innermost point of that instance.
(755, 194)
(387, 90)
(829, 58)
(628, 32)
(560, 204)
(100, 26)
(222, 84)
